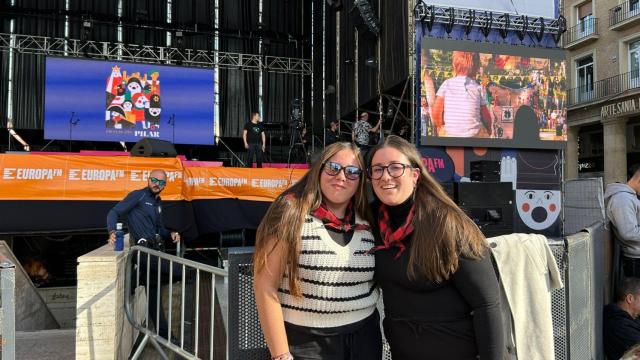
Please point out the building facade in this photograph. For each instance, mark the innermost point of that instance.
(603, 97)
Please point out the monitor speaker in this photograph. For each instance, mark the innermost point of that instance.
(489, 204)
(153, 148)
(485, 171)
(364, 18)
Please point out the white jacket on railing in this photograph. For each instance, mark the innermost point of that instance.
(528, 274)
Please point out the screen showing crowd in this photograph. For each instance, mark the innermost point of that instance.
(507, 98)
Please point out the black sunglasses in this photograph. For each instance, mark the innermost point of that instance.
(158, 181)
(350, 172)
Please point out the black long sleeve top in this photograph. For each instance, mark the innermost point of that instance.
(621, 331)
(457, 319)
(143, 210)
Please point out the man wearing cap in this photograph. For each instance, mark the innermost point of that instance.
(361, 130)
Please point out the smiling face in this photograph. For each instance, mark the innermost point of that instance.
(337, 190)
(390, 190)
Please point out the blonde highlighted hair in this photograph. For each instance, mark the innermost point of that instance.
(282, 224)
(465, 63)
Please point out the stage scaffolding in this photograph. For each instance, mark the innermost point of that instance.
(103, 50)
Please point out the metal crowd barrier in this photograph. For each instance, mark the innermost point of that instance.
(8, 310)
(195, 337)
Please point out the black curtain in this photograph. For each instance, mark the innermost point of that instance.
(347, 63)
(238, 89)
(279, 90)
(330, 66)
(104, 12)
(148, 13)
(394, 52)
(367, 61)
(318, 66)
(196, 15)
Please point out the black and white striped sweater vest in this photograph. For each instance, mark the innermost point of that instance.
(336, 281)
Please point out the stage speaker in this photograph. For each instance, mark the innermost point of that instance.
(153, 148)
(485, 171)
(335, 4)
(489, 204)
(364, 18)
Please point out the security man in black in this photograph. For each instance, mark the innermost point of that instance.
(143, 210)
(254, 140)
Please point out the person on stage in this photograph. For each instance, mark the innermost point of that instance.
(254, 140)
(332, 134)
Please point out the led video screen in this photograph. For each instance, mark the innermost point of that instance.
(491, 95)
(118, 101)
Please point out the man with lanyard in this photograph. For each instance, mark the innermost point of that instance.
(143, 210)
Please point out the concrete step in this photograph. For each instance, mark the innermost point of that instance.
(46, 344)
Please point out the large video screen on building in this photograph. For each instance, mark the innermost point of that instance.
(491, 95)
(119, 101)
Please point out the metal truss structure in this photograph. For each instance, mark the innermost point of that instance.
(42, 45)
(487, 20)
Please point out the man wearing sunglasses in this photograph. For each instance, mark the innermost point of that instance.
(143, 210)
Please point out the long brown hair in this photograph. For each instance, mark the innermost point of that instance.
(443, 232)
(282, 224)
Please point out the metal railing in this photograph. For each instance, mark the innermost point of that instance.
(158, 269)
(7, 294)
(582, 30)
(623, 12)
(604, 88)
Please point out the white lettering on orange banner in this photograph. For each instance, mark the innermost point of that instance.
(229, 182)
(30, 174)
(269, 183)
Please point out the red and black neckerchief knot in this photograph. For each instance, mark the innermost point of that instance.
(340, 225)
(392, 237)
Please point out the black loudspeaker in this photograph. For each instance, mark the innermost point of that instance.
(364, 18)
(489, 204)
(485, 171)
(153, 147)
(335, 4)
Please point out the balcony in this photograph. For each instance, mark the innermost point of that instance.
(604, 89)
(624, 15)
(585, 32)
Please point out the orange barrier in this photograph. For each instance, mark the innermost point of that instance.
(108, 178)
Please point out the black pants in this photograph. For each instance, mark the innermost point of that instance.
(155, 300)
(631, 267)
(364, 343)
(257, 150)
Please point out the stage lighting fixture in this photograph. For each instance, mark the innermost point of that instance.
(485, 25)
(562, 27)
(539, 33)
(430, 17)
(419, 10)
(371, 62)
(521, 26)
(471, 18)
(505, 21)
(448, 27)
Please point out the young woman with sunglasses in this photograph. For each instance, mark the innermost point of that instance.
(440, 291)
(313, 273)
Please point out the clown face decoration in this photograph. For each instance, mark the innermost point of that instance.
(538, 209)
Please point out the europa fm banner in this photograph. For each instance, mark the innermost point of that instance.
(110, 178)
